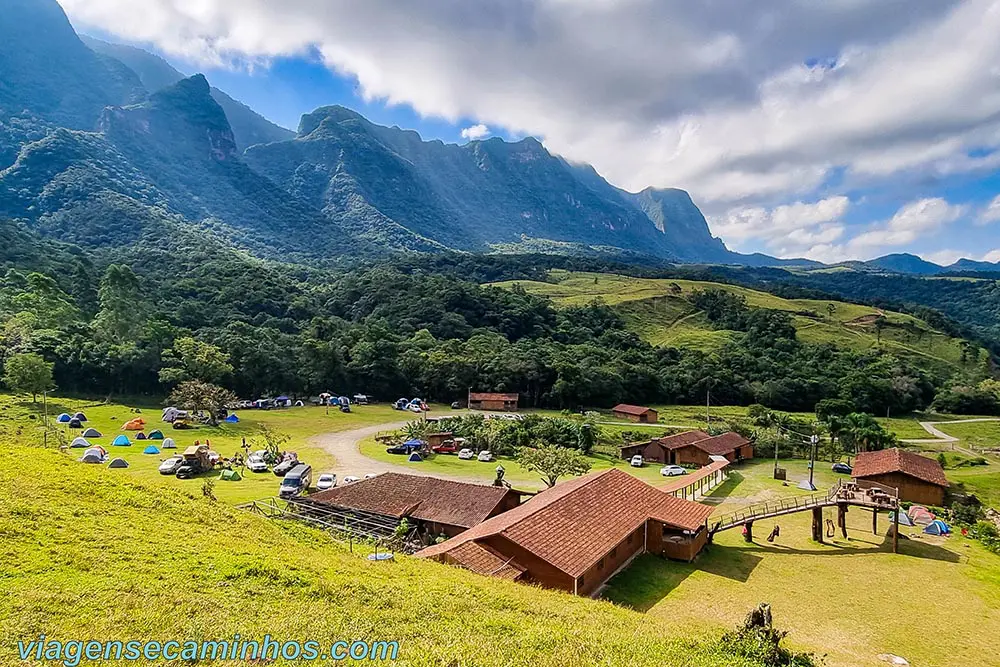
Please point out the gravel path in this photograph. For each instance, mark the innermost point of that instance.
(343, 446)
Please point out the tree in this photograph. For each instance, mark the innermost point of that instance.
(831, 308)
(193, 359)
(552, 462)
(28, 373)
(880, 323)
(273, 440)
(861, 432)
(197, 396)
(123, 313)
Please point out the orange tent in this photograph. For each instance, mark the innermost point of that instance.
(136, 424)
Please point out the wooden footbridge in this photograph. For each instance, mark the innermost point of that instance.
(868, 495)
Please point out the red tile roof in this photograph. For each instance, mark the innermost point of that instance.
(576, 523)
(721, 445)
(631, 409)
(673, 441)
(897, 460)
(485, 560)
(492, 396)
(424, 498)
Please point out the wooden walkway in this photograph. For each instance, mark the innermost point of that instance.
(857, 494)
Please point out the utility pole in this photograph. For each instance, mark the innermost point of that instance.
(808, 485)
(708, 406)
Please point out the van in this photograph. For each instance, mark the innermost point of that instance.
(296, 482)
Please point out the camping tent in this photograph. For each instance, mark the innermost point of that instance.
(63, 418)
(79, 443)
(151, 449)
(173, 414)
(299, 404)
(92, 433)
(937, 527)
(140, 436)
(904, 519)
(118, 463)
(233, 419)
(156, 435)
(93, 455)
(914, 509)
(414, 458)
(136, 424)
(121, 441)
(230, 476)
(169, 444)
(79, 415)
(75, 423)
(922, 518)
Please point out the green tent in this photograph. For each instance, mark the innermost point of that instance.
(230, 476)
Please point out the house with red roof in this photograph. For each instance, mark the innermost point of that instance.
(635, 413)
(493, 400)
(578, 534)
(691, 448)
(917, 478)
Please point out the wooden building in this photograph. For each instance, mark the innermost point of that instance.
(917, 478)
(435, 439)
(691, 448)
(437, 506)
(635, 413)
(577, 535)
(503, 402)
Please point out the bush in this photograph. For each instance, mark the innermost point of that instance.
(987, 534)
(758, 640)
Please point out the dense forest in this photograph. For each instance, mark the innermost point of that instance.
(180, 306)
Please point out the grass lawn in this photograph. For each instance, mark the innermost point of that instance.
(299, 423)
(977, 435)
(849, 599)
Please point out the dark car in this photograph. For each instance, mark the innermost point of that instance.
(397, 449)
(284, 467)
(842, 468)
(188, 470)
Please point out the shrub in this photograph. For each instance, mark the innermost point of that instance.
(758, 640)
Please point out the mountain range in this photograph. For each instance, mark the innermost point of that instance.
(101, 144)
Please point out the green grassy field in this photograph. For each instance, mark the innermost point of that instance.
(853, 598)
(92, 555)
(662, 315)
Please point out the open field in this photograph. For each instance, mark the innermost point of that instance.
(658, 310)
(89, 554)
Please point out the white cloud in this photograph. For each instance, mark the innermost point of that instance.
(991, 213)
(944, 257)
(992, 256)
(916, 220)
(475, 132)
(787, 229)
(713, 97)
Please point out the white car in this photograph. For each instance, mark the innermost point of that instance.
(351, 479)
(326, 481)
(485, 456)
(636, 461)
(256, 463)
(170, 466)
(371, 474)
(466, 455)
(671, 471)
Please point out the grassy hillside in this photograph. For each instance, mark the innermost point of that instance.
(93, 553)
(659, 310)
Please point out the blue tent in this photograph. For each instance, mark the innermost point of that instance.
(151, 449)
(63, 418)
(412, 445)
(121, 441)
(414, 458)
(937, 527)
(233, 419)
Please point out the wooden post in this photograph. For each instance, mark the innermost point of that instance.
(874, 521)
(749, 534)
(842, 518)
(817, 524)
(895, 530)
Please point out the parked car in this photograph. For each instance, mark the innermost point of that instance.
(456, 405)
(397, 449)
(636, 461)
(446, 447)
(296, 482)
(371, 474)
(326, 481)
(671, 471)
(842, 468)
(485, 456)
(256, 463)
(284, 467)
(351, 479)
(466, 455)
(170, 466)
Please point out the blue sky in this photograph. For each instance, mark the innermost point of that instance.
(839, 130)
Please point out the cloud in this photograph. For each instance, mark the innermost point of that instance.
(785, 229)
(991, 213)
(736, 102)
(475, 132)
(916, 220)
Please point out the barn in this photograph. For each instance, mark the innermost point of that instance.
(578, 534)
(635, 413)
(437, 506)
(498, 401)
(658, 450)
(917, 478)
